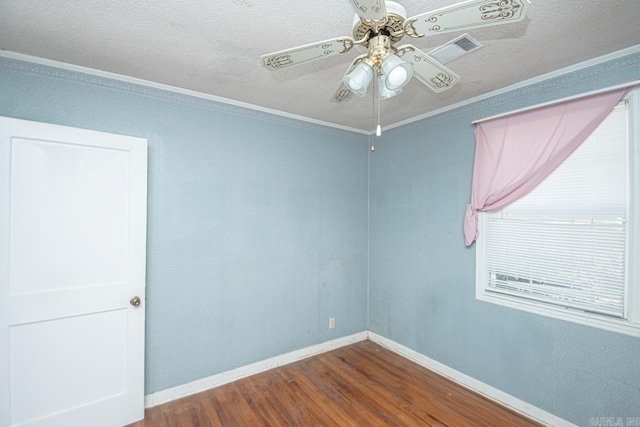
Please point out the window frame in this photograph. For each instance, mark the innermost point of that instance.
(628, 326)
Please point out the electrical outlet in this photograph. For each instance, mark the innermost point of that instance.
(332, 322)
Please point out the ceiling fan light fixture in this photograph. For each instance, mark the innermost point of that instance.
(379, 24)
(396, 71)
(359, 79)
(383, 91)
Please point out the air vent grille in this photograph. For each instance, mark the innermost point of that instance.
(456, 48)
(467, 44)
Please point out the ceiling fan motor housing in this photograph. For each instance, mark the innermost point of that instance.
(396, 15)
(379, 48)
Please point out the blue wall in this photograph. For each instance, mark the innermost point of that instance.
(257, 228)
(422, 277)
(257, 234)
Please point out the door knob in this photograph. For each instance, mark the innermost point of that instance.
(135, 301)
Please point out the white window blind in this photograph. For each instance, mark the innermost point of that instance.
(565, 243)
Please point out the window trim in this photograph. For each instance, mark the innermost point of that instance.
(629, 326)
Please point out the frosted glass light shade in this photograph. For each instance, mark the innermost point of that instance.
(358, 80)
(397, 72)
(383, 92)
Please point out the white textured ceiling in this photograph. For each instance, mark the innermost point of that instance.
(213, 47)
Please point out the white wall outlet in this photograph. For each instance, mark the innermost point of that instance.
(332, 322)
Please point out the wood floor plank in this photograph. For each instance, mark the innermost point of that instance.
(388, 408)
(338, 397)
(343, 393)
(403, 389)
(233, 407)
(209, 412)
(317, 392)
(264, 385)
(433, 404)
(363, 384)
(260, 403)
(447, 398)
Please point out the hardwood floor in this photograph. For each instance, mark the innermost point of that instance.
(363, 384)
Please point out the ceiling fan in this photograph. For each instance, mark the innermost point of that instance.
(378, 25)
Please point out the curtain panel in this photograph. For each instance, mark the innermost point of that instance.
(516, 152)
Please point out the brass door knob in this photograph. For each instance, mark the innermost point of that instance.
(135, 301)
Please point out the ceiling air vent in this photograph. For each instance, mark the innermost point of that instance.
(456, 48)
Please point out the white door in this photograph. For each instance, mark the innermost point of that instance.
(72, 256)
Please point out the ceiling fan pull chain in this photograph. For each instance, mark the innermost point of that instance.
(376, 96)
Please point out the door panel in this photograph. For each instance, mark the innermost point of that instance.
(82, 358)
(72, 254)
(84, 192)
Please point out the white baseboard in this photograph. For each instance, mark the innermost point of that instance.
(222, 378)
(486, 390)
(471, 383)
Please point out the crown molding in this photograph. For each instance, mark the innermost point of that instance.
(523, 84)
(263, 111)
(291, 118)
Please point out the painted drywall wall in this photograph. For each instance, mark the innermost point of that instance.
(257, 229)
(422, 277)
(256, 236)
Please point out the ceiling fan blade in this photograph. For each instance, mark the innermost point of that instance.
(309, 52)
(466, 15)
(370, 10)
(432, 73)
(342, 93)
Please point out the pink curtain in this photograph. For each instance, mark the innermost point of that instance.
(515, 153)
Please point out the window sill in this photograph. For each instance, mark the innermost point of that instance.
(620, 326)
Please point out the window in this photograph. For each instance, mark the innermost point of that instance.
(569, 249)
